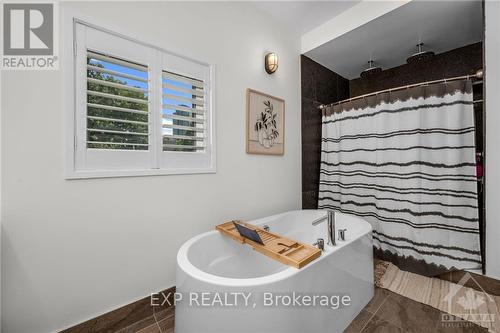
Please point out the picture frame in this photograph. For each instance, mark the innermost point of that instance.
(265, 123)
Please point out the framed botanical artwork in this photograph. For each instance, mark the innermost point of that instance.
(265, 124)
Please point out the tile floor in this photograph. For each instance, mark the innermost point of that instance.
(388, 312)
(160, 322)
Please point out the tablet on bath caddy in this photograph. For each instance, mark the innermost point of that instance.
(248, 233)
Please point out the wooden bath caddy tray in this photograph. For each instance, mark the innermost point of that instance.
(282, 249)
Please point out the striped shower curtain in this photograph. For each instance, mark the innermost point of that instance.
(405, 162)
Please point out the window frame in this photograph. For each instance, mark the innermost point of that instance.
(159, 162)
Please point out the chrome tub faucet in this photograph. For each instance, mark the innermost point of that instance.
(330, 218)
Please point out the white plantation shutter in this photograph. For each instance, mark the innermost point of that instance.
(139, 110)
(183, 112)
(117, 103)
(186, 112)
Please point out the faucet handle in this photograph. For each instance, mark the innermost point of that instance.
(342, 234)
(320, 243)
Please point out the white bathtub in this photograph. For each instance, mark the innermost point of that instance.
(229, 287)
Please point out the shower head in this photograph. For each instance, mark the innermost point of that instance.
(420, 55)
(371, 70)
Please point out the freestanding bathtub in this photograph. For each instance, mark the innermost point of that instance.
(227, 287)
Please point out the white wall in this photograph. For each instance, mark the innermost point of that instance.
(356, 16)
(492, 84)
(72, 250)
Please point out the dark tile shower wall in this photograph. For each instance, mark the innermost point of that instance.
(457, 62)
(319, 86)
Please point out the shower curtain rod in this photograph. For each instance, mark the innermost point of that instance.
(478, 75)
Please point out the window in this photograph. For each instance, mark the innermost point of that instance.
(183, 111)
(117, 103)
(139, 110)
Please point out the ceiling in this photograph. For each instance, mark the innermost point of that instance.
(391, 38)
(302, 16)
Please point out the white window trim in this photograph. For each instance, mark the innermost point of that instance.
(70, 110)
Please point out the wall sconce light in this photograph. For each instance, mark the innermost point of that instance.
(271, 62)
